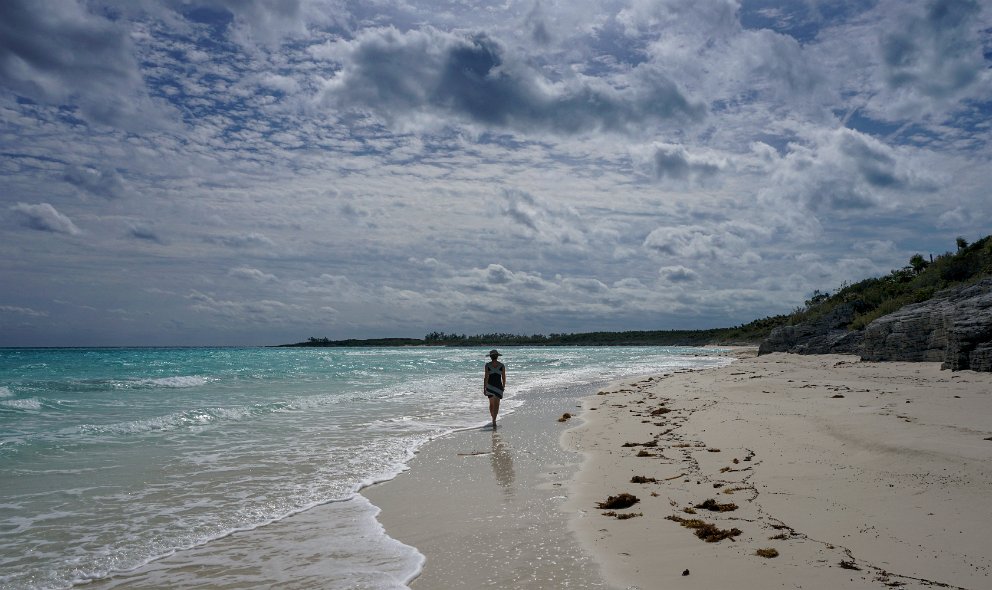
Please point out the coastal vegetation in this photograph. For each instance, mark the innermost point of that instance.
(871, 298)
(916, 282)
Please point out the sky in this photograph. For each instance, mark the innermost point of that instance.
(246, 172)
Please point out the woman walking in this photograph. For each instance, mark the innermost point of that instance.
(494, 383)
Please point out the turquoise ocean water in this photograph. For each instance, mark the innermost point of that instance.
(113, 458)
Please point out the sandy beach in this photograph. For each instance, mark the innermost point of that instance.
(779, 471)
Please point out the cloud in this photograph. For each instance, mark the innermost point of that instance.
(244, 240)
(669, 162)
(935, 50)
(844, 170)
(678, 274)
(143, 232)
(25, 311)
(953, 218)
(57, 52)
(262, 311)
(252, 274)
(44, 217)
(104, 182)
(265, 21)
(721, 241)
(543, 220)
(429, 73)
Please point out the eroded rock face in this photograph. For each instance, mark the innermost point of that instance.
(822, 336)
(953, 328)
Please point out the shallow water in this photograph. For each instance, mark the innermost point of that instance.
(111, 458)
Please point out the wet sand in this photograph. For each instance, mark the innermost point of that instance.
(485, 507)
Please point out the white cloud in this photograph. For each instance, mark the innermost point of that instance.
(244, 240)
(44, 217)
(144, 232)
(543, 220)
(843, 170)
(263, 311)
(252, 274)
(24, 311)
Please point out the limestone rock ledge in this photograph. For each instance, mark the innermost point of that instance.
(954, 328)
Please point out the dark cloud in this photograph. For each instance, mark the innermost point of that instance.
(935, 51)
(44, 217)
(678, 274)
(143, 232)
(876, 166)
(55, 51)
(673, 162)
(400, 74)
(265, 21)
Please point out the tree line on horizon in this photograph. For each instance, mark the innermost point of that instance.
(871, 298)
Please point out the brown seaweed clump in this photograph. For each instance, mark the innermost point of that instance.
(706, 531)
(850, 565)
(623, 515)
(650, 443)
(767, 553)
(643, 453)
(623, 500)
(643, 479)
(714, 506)
(564, 417)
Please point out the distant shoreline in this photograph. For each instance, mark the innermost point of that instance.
(695, 338)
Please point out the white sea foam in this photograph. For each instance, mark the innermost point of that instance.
(177, 382)
(31, 403)
(5, 392)
(180, 420)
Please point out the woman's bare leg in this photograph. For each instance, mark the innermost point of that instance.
(493, 408)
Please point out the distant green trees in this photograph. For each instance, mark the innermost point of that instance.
(919, 263)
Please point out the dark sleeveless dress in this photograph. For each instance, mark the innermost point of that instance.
(494, 381)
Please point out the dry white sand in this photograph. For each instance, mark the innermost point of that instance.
(859, 475)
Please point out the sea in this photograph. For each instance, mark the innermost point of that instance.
(114, 458)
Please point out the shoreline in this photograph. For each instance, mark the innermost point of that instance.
(484, 506)
(857, 474)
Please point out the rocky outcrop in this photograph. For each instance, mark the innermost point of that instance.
(953, 328)
(824, 335)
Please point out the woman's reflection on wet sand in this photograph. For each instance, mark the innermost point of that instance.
(502, 462)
